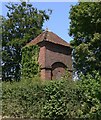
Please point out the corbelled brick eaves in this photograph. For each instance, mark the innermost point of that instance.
(50, 37)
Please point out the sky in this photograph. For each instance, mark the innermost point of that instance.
(59, 19)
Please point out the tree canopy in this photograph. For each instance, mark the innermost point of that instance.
(85, 28)
(23, 23)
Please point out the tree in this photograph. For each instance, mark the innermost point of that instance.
(1, 20)
(85, 28)
(23, 23)
(89, 94)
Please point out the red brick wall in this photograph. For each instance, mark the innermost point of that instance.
(56, 53)
(58, 70)
(42, 56)
(51, 53)
(45, 74)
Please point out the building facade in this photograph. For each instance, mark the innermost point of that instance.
(54, 56)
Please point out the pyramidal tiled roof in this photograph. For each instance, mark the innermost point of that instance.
(50, 37)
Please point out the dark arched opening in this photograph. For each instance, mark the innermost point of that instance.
(58, 70)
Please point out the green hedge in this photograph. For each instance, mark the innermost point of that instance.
(59, 99)
(30, 66)
(90, 96)
(22, 99)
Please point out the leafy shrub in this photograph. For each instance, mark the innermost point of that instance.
(58, 99)
(89, 89)
(35, 99)
(22, 99)
(30, 66)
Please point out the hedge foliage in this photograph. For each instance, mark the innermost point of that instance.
(30, 66)
(59, 99)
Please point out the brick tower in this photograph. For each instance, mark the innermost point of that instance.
(54, 55)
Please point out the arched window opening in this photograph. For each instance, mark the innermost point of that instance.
(58, 70)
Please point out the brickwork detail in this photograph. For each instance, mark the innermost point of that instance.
(54, 56)
(54, 59)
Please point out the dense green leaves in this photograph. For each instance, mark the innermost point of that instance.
(85, 28)
(61, 99)
(30, 66)
(87, 56)
(90, 90)
(23, 23)
(34, 99)
(22, 99)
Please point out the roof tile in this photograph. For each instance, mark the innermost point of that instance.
(49, 36)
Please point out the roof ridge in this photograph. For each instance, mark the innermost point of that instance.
(49, 36)
(60, 37)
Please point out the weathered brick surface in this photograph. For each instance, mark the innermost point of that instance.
(58, 72)
(42, 55)
(53, 60)
(54, 55)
